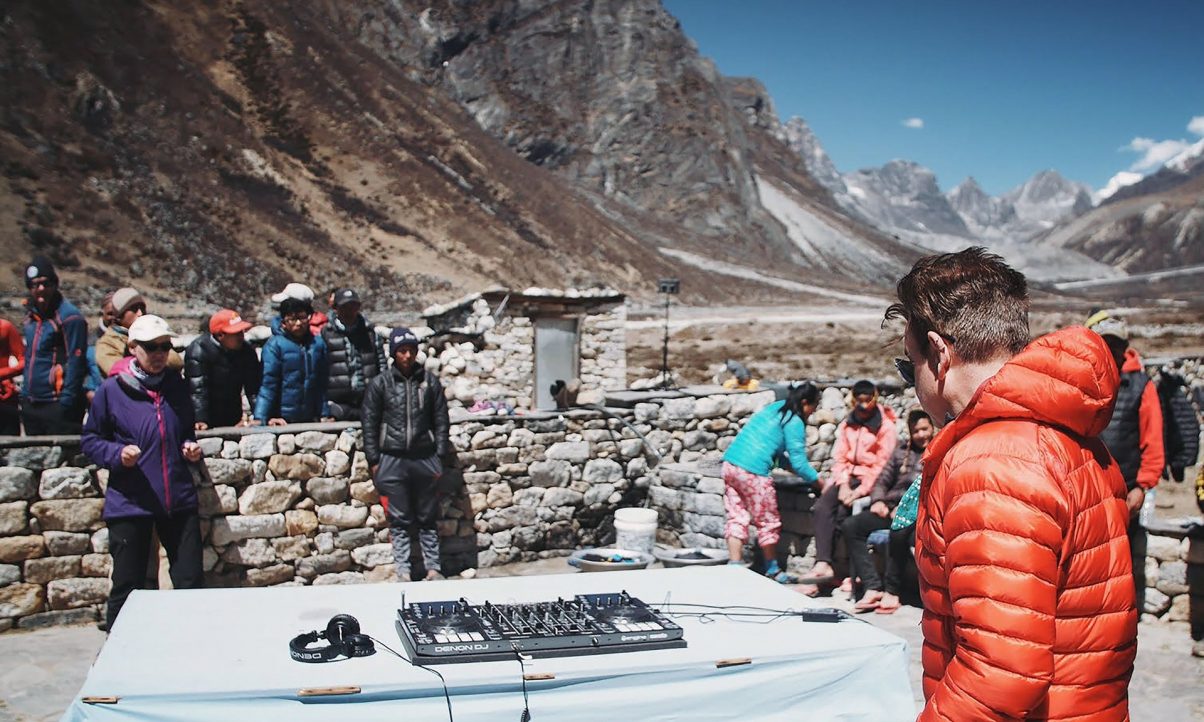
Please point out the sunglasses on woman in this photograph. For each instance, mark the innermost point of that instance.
(156, 347)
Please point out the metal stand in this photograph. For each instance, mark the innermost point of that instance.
(669, 287)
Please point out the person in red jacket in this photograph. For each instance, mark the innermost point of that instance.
(1134, 436)
(1022, 541)
(12, 364)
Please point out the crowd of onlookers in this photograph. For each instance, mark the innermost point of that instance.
(313, 367)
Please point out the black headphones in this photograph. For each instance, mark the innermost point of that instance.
(343, 633)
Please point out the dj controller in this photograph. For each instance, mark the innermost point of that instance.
(447, 632)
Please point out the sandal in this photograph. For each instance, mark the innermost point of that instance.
(784, 578)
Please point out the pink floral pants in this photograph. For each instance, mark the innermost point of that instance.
(750, 498)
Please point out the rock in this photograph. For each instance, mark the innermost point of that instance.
(299, 467)
(316, 441)
(65, 543)
(520, 438)
(340, 578)
(300, 522)
(66, 483)
(19, 548)
(373, 555)
(348, 441)
(559, 496)
(68, 514)
(354, 538)
(338, 463)
(269, 497)
(267, 576)
(17, 484)
(211, 445)
(325, 490)
(251, 553)
(286, 444)
(479, 502)
(598, 494)
(1172, 578)
(14, 518)
(76, 593)
(65, 617)
(228, 529)
(257, 446)
(259, 470)
(528, 538)
(96, 565)
(9, 574)
(19, 600)
(528, 497)
(499, 496)
(320, 564)
(100, 541)
(365, 492)
(385, 573)
(1155, 601)
(556, 472)
(35, 458)
(712, 407)
(602, 471)
(342, 516)
(230, 449)
(41, 571)
(229, 472)
(324, 542)
(571, 451)
(216, 500)
(359, 468)
(1164, 549)
(1180, 609)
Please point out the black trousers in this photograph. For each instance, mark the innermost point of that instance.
(44, 418)
(10, 418)
(130, 547)
(411, 486)
(826, 518)
(856, 530)
(1138, 542)
(898, 552)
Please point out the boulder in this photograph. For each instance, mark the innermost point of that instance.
(230, 472)
(291, 548)
(68, 514)
(267, 576)
(324, 490)
(570, 451)
(46, 569)
(300, 522)
(319, 564)
(342, 516)
(340, 578)
(299, 467)
(17, 484)
(66, 482)
(76, 593)
(373, 555)
(338, 463)
(555, 472)
(251, 553)
(257, 446)
(228, 529)
(19, 548)
(316, 441)
(19, 600)
(268, 497)
(14, 518)
(66, 543)
(96, 565)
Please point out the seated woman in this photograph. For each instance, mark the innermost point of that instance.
(901, 472)
(749, 495)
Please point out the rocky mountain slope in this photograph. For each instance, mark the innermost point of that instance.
(209, 152)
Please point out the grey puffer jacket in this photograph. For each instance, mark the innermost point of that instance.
(405, 416)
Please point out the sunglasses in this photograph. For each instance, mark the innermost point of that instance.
(156, 347)
(907, 371)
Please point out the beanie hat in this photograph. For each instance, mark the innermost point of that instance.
(1106, 324)
(40, 267)
(401, 336)
(864, 386)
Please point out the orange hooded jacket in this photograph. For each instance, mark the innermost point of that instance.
(1153, 452)
(1021, 546)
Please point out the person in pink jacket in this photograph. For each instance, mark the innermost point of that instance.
(864, 444)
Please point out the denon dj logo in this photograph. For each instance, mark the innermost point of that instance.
(461, 648)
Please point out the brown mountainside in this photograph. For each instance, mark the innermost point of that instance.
(208, 152)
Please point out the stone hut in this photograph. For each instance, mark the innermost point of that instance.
(507, 348)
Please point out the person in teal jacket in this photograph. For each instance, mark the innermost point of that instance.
(749, 495)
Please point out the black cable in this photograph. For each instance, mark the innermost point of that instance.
(526, 715)
(446, 694)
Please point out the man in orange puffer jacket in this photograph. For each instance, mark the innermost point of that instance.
(1021, 537)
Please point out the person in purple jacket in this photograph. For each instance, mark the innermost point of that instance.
(140, 428)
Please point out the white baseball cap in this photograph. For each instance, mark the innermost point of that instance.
(299, 291)
(149, 328)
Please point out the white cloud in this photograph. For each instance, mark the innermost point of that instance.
(1154, 152)
(1115, 183)
(918, 123)
(1196, 125)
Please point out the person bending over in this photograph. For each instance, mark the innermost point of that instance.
(749, 494)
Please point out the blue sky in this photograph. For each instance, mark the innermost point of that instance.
(1003, 89)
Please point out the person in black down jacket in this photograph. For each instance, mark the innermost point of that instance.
(407, 445)
(356, 356)
(220, 367)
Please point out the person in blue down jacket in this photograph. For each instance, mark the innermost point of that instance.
(140, 428)
(749, 495)
(295, 369)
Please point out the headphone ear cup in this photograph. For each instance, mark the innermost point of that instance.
(358, 645)
(340, 627)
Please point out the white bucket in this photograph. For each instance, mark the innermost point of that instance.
(635, 529)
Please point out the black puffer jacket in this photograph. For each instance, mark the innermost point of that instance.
(356, 357)
(217, 378)
(405, 416)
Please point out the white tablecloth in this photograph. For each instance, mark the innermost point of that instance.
(222, 654)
